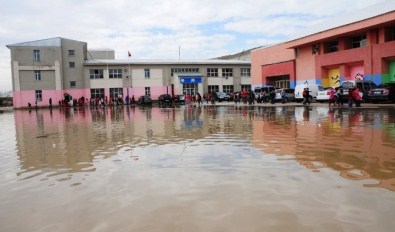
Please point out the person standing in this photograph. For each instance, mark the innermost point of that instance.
(50, 103)
(357, 97)
(350, 97)
(305, 95)
(332, 97)
(283, 96)
(273, 96)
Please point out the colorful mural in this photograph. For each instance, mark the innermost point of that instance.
(333, 78)
(356, 73)
(392, 71)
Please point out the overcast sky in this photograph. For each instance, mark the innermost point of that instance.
(155, 29)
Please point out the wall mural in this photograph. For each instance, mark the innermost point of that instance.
(358, 76)
(392, 71)
(333, 79)
(356, 73)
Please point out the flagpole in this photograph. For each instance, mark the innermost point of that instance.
(131, 81)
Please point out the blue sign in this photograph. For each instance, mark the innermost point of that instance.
(191, 80)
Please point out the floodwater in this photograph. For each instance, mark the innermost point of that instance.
(211, 168)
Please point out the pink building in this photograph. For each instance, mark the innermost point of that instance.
(360, 46)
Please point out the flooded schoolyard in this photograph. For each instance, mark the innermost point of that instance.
(210, 168)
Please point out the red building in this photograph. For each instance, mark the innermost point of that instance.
(358, 46)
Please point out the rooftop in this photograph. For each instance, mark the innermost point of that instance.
(166, 62)
(350, 18)
(51, 42)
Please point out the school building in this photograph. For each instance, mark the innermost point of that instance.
(356, 46)
(60, 68)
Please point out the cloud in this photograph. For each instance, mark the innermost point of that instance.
(156, 28)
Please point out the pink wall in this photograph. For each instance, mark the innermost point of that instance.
(305, 64)
(268, 55)
(22, 98)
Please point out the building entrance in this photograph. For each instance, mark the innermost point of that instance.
(189, 89)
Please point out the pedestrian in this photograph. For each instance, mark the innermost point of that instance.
(339, 96)
(332, 97)
(350, 97)
(50, 103)
(198, 98)
(283, 96)
(305, 95)
(357, 97)
(273, 96)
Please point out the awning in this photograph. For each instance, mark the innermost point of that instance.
(191, 79)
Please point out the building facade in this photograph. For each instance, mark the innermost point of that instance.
(360, 46)
(59, 68)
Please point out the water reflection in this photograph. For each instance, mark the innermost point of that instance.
(359, 143)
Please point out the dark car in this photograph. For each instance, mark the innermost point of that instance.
(383, 92)
(179, 99)
(144, 100)
(262, 94)
(221, 96)
(165, 100)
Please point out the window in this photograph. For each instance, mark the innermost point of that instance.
(333, 46)
(212, 72)
(228, 89)
(97, 93)
(147, 73)
(39, 95)
(245, 72)
(116, 93)
(246, 87)
(36, 55)
(227, 72)
(392, 34)
(213, 88)
(73, 84)
(71, 52)
(147, 90)
(71, 64)
(115, 73)
(96, 74)
(359, 41)
(183, 70)
(37, 75)
(297, 52)
(315, 49)
(281, 81)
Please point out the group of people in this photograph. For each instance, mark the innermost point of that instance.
(336, 97)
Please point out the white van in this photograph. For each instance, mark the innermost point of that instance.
(313, 88)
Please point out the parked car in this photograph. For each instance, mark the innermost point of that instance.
(289, 97)
(221, 96)
(144, 100)
(323, 95)
(383, 92)
(165, 100)
(179, 99)
(267, 89)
